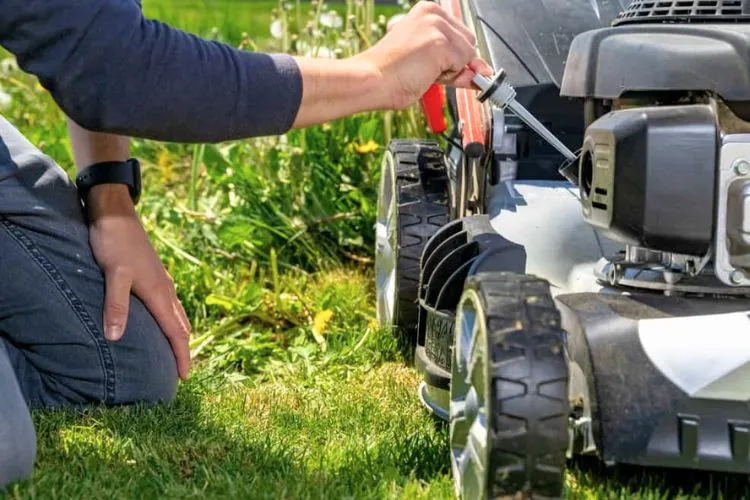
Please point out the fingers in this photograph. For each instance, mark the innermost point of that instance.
(116, 302)
(460, 60)
(479, 65)
(463, 79)
(432, 8)
(169, 313)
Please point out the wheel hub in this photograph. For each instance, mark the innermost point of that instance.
(469, 397)
(386, 241)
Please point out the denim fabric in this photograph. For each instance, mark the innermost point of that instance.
(51, 300)
(17, 442)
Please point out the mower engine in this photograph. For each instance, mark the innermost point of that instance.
(665, 164)
(606, 316)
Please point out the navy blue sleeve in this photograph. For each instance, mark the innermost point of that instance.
(112, 70)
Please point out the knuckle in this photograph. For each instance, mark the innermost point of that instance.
(181, 334)
(119, 272)
(117, 308)
(439, 40)
(167, 286)
(425, 7)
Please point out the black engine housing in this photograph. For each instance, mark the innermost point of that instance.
(647, 177)
(668, 69)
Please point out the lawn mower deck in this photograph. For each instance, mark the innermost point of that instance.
(600, 307)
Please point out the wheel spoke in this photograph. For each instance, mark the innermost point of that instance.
(471, 482)
(477, 441)
(466, 340)
(477, 367)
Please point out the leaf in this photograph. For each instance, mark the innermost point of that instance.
(368, 129)
(223, 302)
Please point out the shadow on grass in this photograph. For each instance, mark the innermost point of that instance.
(192, 448)
(633, 481)
(177, 449)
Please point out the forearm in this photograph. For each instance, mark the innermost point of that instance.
(336, 88)
(94, 147)
(112, 70)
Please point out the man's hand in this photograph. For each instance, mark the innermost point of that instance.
(428, 45)
(425, 47)
(129, 262)
(123, 252)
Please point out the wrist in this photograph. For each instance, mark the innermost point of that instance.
(109, 199)
(371, 82)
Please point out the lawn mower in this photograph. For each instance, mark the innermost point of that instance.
(596, 306)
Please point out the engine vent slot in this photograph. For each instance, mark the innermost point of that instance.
(685, 11)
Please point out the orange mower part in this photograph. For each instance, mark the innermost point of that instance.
(433, 103)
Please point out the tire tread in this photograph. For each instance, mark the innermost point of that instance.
(529, 376)
(421, 188)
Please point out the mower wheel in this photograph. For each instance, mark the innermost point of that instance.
(412, 206)
(509, 390)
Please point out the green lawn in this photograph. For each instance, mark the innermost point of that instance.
(296, 393)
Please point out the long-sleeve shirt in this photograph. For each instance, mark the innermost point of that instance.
(112, 70)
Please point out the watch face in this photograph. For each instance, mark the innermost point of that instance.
(113, 172)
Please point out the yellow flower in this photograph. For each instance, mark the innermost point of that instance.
(164, 162)
(369, 147)
(320, 323)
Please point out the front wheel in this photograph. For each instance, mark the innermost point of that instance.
(509, 390)
(412, 206)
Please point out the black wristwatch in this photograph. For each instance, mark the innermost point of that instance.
(111, 172)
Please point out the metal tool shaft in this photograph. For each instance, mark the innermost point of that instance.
(504, 96)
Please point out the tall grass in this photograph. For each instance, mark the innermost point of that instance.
(237, 221)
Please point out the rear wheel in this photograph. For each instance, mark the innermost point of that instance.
(412, 206)
(509, 390)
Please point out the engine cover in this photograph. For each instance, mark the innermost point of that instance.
(647, 177)
(611, 62)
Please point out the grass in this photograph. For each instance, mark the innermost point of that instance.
(297, 394)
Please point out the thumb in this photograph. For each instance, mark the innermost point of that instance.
(116, 303)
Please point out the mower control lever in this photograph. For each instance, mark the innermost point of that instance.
(503, 95)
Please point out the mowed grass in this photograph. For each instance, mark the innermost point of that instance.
(345, 426)
(296, 393)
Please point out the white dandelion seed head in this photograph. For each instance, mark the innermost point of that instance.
(331, 19)
(277, 29)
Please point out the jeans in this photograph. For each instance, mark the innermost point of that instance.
(53, 352)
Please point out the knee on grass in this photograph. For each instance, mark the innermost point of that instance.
(144, 362)
(17, 448)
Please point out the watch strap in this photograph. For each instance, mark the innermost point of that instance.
(111, 172)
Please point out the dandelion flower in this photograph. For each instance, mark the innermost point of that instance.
(368, 147)
(277, 29)
(5, 99)
(331, 19)
(8, 65)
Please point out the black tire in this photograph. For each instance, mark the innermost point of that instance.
(421, 197)
(527, 405)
